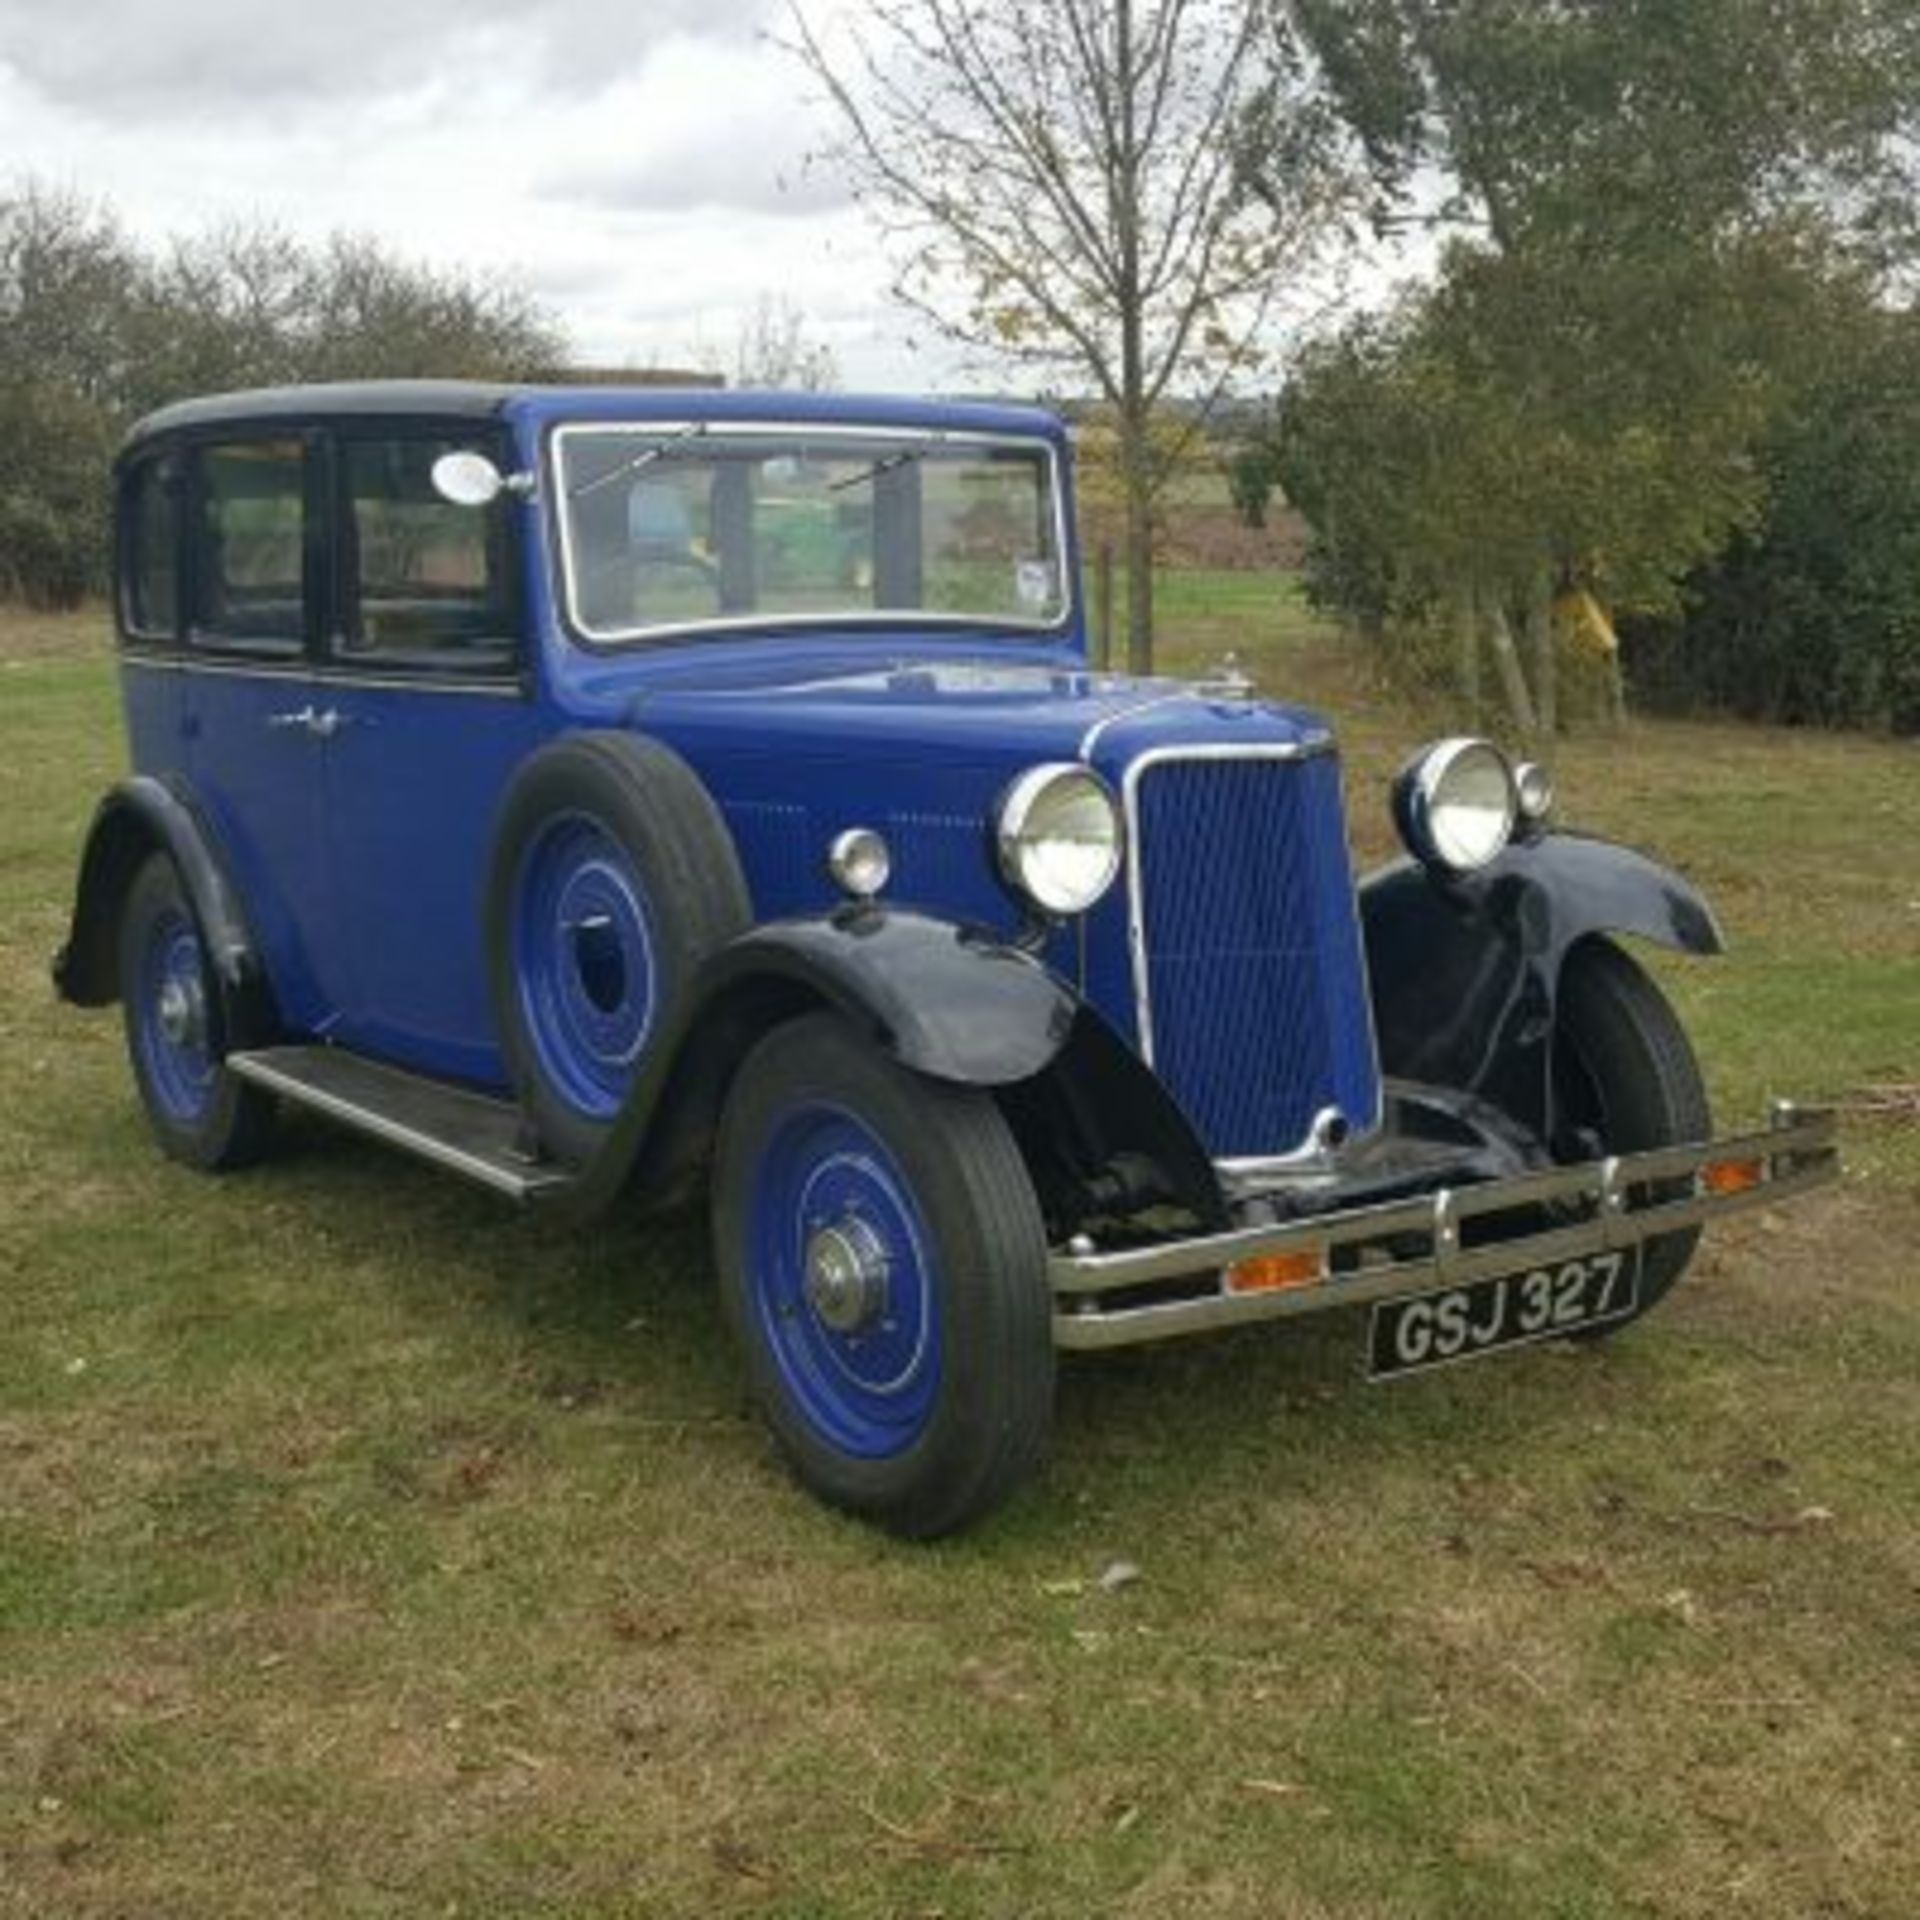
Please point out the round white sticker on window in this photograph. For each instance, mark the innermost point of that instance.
(1033, 582)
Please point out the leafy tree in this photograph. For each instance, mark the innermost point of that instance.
(246, 306)
(215, 312)
(1107, 191)
(93, 333)
(1525, 428)
(1647, 116)
(1253, 471)
(1652, 206)
(66, 276)
(53, 521)
(368, 313)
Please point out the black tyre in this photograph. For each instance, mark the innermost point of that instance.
(1624, 1073)
(883, 1264)
(614, 879)
(179, 1030)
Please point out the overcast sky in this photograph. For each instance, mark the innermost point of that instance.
(639, 165)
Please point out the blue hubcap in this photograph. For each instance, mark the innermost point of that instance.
(844, 1289)
(171, 1023)
(583, 956)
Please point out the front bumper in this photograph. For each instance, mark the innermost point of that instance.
(1447, 1238)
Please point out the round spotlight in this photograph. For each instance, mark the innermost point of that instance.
(1533, 789)
(1060, 837)
(1455, 804)
(860, 862)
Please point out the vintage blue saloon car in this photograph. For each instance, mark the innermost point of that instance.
(607, 790)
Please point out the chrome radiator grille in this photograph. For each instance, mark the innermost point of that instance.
(1248, 967)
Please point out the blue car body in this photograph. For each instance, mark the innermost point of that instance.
(362, 856)
(438, 825)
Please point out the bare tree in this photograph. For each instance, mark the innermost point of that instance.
(1112, 190)
(773, 349)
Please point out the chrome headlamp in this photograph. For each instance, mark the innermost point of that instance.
(1059, 837)
(1455, 804)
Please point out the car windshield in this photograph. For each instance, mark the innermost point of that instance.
(684, 527)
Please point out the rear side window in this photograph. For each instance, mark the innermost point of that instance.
(429, 582)
(150, 552)
(250, 545)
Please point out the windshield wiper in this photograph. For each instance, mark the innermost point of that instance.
(879, 467)
(658, 451)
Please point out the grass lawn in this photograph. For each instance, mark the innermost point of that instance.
(366, 1549)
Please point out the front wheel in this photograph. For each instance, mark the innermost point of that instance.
(883, 1264)
(1625, 1076)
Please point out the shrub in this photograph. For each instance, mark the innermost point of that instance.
(1814, 616)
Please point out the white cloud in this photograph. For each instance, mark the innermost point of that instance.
(639, 167)
(248, 57)
(706, 126)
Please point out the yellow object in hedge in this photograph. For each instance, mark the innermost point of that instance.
(1585, 622)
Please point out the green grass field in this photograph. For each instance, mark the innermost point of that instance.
(368, 1549)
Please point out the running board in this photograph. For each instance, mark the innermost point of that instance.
(454, 1127)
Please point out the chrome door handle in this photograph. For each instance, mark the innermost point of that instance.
(322, 723)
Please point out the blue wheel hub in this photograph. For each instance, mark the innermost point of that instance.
(171, 1023)
(584, 959)
(845, 1291)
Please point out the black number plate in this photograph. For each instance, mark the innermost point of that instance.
(1462, 1323)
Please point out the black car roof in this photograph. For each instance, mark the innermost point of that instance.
(467, 399)
(478, 400)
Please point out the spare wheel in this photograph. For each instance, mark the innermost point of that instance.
(613, 880)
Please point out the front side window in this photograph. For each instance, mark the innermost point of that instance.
(690, 527)
(250, 545)
(429, 579)
(150, 552)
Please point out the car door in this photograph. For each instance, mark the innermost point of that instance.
(255, 748)
(423, 677)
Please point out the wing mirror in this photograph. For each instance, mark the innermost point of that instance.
(470, 479)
